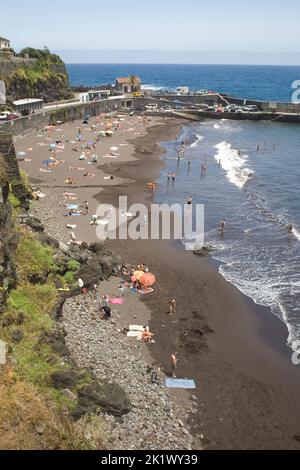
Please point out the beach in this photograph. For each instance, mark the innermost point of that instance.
(247, 386)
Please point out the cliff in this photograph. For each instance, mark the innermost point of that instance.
(35, 74)
(46, 400)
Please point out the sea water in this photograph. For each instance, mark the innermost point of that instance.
(258, 193)
(268, 83)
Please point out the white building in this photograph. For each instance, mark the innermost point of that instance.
(4, 43)
(28, 105)
(94, 95)
(183, 90)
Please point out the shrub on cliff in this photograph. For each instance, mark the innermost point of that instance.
(46, 78)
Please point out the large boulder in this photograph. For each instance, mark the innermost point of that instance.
(204, 251)
(35, 224)
(47, 240)
(62, 379)
(91, 274)
(110, 397)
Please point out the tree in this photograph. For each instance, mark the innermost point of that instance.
(134, 82)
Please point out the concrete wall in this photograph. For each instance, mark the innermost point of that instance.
(78, 111)
(194, 99)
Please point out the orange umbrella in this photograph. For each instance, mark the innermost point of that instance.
(147, 280)
(138, 274)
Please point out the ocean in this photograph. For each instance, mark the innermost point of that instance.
(268, 83)
(258, 193)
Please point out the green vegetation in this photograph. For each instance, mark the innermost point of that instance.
(33, 258)
(45, 78)
(34, 414)
(43, 55)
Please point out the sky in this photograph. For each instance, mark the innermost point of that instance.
(157, 31)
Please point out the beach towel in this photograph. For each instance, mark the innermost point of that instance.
(146, 291)
(136, 328)
(135, 334)
(117, 301)
(181, 383)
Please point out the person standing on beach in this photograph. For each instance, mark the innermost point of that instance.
(258, 148)
(190, 201)
(172, 306)
(173, 177)
(174, 361)
(169, 177)
(86, 207)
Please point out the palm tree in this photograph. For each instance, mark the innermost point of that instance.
(133, 81)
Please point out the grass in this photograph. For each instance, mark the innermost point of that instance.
(29, 422)
(32, 258)
(33, 414)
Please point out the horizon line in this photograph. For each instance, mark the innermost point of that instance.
(183, 63)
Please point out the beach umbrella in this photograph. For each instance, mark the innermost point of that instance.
(147, 280)
(109, 133)
(138, 275)
(72, 206)
(21, 154)
(47, 162)
(114, 149)
(53, 146)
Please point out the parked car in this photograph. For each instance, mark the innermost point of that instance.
(4, 115)
(233, 108)
(12, 117)
(252, 108)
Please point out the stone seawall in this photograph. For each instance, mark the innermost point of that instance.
(69, 113)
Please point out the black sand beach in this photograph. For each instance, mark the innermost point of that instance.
(246, 384)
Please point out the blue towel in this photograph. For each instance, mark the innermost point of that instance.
(181, 383)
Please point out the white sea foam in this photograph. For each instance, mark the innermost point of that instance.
(296, 233)
(200, 138)
(216, 126)
(153, 88)
(233, 164)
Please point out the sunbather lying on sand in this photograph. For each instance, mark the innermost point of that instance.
(89, 175)
(76, 168)
(71, 181)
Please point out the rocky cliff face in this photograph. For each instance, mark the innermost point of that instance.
(10, 179)
(8, 245)
(43, 77)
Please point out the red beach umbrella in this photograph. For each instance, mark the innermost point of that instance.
(147, 280)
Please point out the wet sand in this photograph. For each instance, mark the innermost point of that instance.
(247, 386)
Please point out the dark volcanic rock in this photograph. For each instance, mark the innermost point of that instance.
(35, 224)
(17, 336)
(90, 274)
(64, 379)
(110, 397)
(47, 240)
(205, 251)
